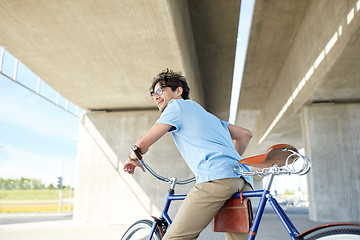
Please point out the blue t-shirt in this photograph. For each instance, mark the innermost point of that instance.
(203, 140)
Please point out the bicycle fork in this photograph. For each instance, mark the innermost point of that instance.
(154, 226)
(165, 218)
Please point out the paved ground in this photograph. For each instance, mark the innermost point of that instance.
(59, 227)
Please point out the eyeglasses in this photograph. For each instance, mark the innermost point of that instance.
(158, 92)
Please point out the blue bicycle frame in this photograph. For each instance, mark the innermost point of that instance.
(264, 196)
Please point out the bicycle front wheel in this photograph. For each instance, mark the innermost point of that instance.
(141, 231)
(335, 232)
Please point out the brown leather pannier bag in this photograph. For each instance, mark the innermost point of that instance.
(235, 216)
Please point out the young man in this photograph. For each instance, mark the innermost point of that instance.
(205, 143)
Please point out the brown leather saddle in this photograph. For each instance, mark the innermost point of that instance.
(276, 154)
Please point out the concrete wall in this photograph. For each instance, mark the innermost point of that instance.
(104, 193)
(332, 140)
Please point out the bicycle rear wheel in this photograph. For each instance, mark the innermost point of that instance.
(335, 232)
(140, 231)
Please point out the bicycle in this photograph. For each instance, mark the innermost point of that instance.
(279, 160)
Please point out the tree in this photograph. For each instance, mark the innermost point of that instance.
(22, 183)
(37, 184)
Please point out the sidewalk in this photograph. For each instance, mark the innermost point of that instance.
(270, 228)
(55, 229)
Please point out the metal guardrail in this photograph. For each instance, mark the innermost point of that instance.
(12, 69)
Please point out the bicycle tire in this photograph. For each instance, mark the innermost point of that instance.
(140, 231)
(335, 232)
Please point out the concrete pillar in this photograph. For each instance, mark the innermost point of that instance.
(332, 138)
(104, 193)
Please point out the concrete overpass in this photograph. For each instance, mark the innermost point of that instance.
(300, 86)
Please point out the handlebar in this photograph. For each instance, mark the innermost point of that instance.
(138, 154)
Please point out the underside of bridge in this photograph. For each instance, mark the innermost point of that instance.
(301, 85)
(103, 55)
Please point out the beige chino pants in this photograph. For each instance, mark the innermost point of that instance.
(200, 206)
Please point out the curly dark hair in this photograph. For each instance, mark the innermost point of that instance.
(173, 80)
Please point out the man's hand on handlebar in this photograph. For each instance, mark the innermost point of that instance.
(131, 164)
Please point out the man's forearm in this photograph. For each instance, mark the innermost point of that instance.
(156, 132)
(240, 146)
(241, 136)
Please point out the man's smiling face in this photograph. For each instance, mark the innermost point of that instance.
(163, 95)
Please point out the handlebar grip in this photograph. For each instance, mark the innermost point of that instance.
(137, 152)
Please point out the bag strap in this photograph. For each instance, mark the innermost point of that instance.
(241, 197)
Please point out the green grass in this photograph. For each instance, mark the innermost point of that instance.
(33, 194)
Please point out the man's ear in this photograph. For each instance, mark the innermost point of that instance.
(179, 91)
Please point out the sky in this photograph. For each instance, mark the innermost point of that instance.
(37, 138)
(245, 20)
